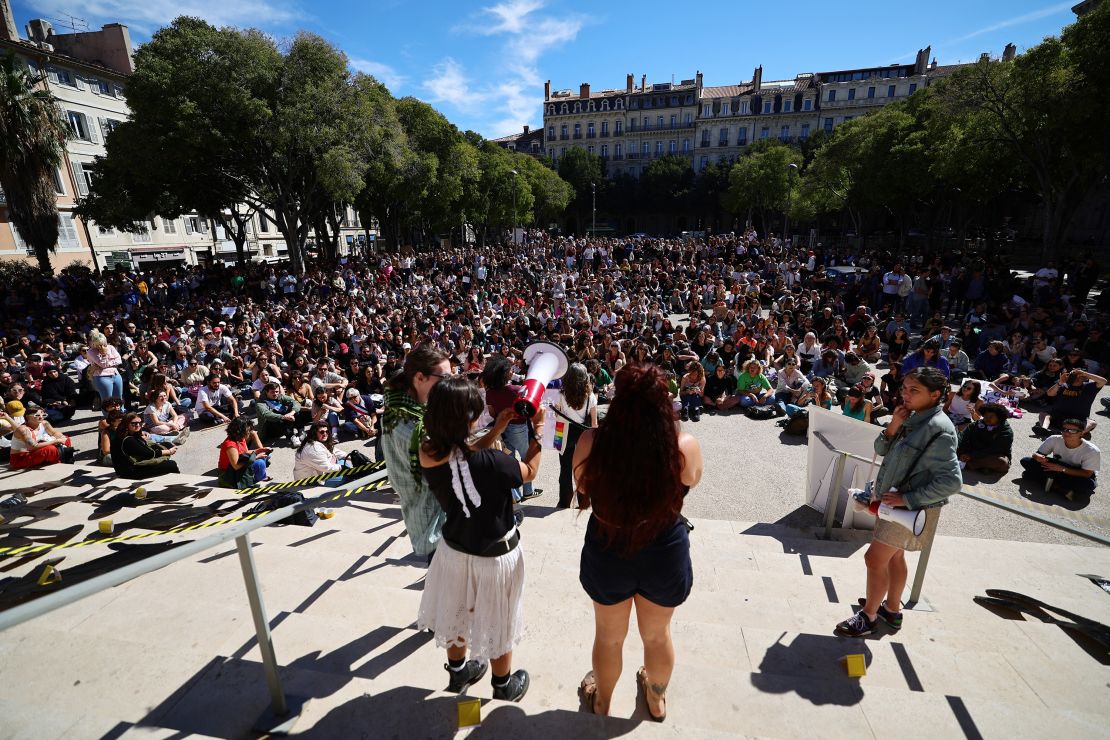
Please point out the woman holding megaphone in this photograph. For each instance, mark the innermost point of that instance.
(920, 470)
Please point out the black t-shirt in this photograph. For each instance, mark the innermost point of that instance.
(495, 474)
(1074, 402)
(716, 387)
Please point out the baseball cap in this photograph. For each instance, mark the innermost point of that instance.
(15, 408)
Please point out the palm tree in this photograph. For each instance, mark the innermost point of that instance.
(32, 142)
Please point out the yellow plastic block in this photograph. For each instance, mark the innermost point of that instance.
(50, 575)
(856, 665)
(470, 712)
(106, 526)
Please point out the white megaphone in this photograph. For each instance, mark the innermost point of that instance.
(546, 362)
(908, 518)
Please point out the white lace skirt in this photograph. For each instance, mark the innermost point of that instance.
(474, 601)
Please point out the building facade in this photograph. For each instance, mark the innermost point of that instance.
(86, 73)
(631, 127)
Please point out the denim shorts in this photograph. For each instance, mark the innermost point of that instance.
(662, 572)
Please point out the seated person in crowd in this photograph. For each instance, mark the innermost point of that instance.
(927, 356)
(280, 415)
(991, 362)
(720, 390)
(134, 455)
(36, 442)
(854, 368)
(856, 406)
(316, 453)
(987, 444)
(359, 418)
(215, 401)
(1045, 378)
(1071, 398)
(59, 395)
(243, 459)
(958, 361)
(753, 387)
(1065, 463)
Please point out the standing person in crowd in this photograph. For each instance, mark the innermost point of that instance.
(136, 456)
(474, 591)
(104, 367)
(577, 406)
(634, 471)
(1065, 463)
(243, 458)
(987, 445)
(501, 395)
(36, 442)
(403, 424)
(920, 470)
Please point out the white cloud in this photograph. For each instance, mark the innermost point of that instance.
(384, 73)
(528, 34)
(1035, 15)
(147, 16)
(449, 84)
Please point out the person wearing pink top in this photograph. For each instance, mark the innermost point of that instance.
(104, 362)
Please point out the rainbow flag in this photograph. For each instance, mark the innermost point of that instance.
(560, 437)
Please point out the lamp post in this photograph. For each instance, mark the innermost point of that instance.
(593, 209)
(515, 173)
(791, 170)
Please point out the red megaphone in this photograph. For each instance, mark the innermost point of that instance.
(546, 362)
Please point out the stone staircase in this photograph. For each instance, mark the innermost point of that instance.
(173, 653)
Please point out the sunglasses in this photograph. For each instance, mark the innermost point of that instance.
(1072, 431)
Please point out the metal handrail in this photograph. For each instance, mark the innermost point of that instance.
(833, 501)
(240, 532)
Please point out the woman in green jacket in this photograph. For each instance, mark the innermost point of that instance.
(919, 471)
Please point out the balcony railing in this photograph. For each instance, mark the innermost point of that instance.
(723, 142)
(618, 133)
(618, 156)
(633, 155)
(591, 135)
(564, 137)
(704, 143)
(604, 134)
(578, 136)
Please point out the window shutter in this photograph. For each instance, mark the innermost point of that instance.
(94, 137)
(52, 75)
(188, 225)
(104, 127)
(79, 82)
(79, 177)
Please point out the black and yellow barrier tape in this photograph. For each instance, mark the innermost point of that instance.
(327, 498)
(345, 473)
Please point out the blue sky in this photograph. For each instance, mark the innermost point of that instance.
(483, 64)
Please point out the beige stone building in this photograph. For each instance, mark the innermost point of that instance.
(86, 73)
(707, 124)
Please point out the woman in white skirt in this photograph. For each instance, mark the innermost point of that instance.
(473, 594)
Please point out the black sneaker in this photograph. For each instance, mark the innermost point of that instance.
(536, 492)
(514, 689)
(890, 619)
(471, 672)
(858, 625)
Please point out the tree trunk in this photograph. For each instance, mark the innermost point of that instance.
(42, 254)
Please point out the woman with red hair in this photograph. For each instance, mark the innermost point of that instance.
(634, 470)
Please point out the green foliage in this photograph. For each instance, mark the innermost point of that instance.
(763, 180)
(666, 183)
(32, 141)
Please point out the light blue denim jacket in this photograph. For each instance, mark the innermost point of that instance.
(936, 476)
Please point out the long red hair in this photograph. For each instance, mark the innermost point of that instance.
(633, 475)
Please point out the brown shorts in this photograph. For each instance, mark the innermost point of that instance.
(898, 536)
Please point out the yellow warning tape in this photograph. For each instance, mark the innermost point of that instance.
(325, 499)
(1032, 506)
(346, 472)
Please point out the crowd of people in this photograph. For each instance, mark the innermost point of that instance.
(424, 351)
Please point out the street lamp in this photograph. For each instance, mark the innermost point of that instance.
(791, 170)
(515, 173)
(593, 208)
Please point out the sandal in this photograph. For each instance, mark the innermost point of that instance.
(644, 686)
(587, 691)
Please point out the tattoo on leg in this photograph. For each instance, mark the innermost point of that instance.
(660, 689)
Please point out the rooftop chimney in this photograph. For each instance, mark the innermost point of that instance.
(643, 84)
(984, 57)
(757, 77)
(8, 31)
(525, 130)
(697, 81)
(922, 60)
(547, 90)
(629, 83)
(584, 90)
(1009, 53)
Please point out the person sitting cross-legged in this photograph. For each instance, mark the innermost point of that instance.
(753, 387)
(986, 445)
(1065, 462)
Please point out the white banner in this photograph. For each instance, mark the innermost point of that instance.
(830, 431)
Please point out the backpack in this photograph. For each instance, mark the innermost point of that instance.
(304, 518)
(797, 425)
(760, 412)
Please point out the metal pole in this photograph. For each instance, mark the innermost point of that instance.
(919, 577)
(593, 193)
(261, 625)
(834, 495)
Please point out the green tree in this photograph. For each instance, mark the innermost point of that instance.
(490, 202)
(762, 181)
(584, 172)
(666, 185)
(551, 193)
(32, 140)
(710, 186)
(1047, 108)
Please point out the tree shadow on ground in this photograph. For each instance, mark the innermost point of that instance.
(812, 667)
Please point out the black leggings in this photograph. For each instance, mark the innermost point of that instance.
(566, 466)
